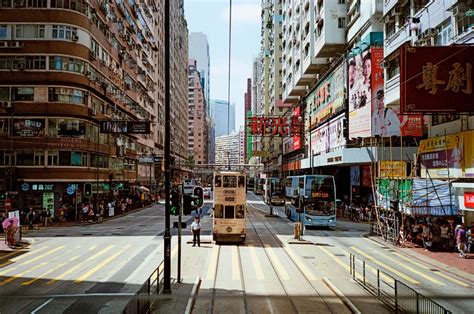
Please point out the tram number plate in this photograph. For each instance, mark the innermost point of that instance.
(229, 192)
(229, 199)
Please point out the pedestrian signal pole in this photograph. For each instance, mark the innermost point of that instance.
(180, 216)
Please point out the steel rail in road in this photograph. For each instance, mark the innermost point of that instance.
(303, 272)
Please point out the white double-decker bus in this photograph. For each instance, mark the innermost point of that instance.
(230, 197)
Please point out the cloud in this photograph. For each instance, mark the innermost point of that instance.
(243, 13)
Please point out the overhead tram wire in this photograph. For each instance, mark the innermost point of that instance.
(228, 75)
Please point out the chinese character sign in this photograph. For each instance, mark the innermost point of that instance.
(436, 79)
(275, 126)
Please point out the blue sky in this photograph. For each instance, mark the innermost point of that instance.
(212, 17)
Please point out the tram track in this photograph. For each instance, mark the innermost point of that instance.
(255, 213)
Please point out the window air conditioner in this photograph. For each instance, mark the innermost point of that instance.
(6, 104)
(75, 38)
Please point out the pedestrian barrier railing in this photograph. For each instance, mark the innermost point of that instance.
(147, 295)
(391, 291)
(388, 230)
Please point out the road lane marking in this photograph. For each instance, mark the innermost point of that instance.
(276, 263)
(235, 263)
(440, 273)
(93, 257)
(255, 262)
(41, 306)
(308, 274)
(27, 283)
(6, 271)
(211, 270)
(34, 259)
(427, 277)
(7, 256)
(391, 269)
(337, 260)
(19, 258)
(99, 266)
(74, 258)
(92, 247)
(16, 276)
(61, 276)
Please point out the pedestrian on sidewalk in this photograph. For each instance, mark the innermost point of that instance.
(461, 240)
(44, 217)
(470, 235)
(427, 236)
(445, 236)
(30, 218)
(196, 229)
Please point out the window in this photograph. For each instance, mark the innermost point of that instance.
(444, 33)
(341, 22)
(23, 93)
(443, 118)
(3, 32)
(99, 161)
(66, 64)
(37, 3)
(5, 3)
(4, 93)
(24, 158)
(76, 5)
(67, 128)
(29, 31)
(79, 159)
(64, 94)
(63, 32)
(64, 158)
(6, 157)
(23, 62)
(53, 158)
(39, 158)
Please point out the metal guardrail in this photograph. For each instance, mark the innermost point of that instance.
(388, 230)
(392, 291)
(143, 300)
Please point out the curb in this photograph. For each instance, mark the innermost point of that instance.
(116, 216)
(192, 297)
(341, 296)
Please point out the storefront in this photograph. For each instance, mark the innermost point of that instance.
(464, 192)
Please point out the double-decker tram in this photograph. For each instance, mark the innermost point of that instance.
(230, 197)
(259, 184)
(311, 200)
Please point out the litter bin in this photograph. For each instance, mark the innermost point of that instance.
(296, 229)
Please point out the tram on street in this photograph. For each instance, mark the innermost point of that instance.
(230, 197)
(274, 191)
(259, 183)
(311, 200)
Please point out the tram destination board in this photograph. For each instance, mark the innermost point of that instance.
(229, 199)
(125, 127)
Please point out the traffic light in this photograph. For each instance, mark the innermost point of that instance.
(174, 210)
(87, 189)
(199, 193)
(188, 203)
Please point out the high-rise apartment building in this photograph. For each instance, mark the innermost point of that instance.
(223, 115)
(199, 51)
(64, 68)
(198, 121)
(229, 149)
(248, 111)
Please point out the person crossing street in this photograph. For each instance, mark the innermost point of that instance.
(196, 229)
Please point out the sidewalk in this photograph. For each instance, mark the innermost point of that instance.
(448, 261)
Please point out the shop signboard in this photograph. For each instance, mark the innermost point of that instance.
(146, 159)
(442, 157)
(469, 154)
(469, 199)
(355, 176)
(48, 202)
(327, 100)
(392, 168)
(260, 153)
(366, 176)
(328, 136)
(40, 187)
(125, 127)
(29, 127)
(436, 79)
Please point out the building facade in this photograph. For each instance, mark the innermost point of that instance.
(229, 149)
(198, 122)
(64, 69)
(223, 116)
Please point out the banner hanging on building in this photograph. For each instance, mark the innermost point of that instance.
(442, 157)
(125, 127)
(29, 127)
(436, 79)
(328, 136)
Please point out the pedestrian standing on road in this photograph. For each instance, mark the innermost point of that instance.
(461, 241)
(470, 234)
(196, 229)
(197, 213)
(30, 217)
(427, 236)
(44, 217)
(85, 211)
(445, 236)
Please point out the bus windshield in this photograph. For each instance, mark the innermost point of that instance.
(278, 187)
(321, 200)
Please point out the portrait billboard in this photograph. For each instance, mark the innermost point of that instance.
(29, 127)
(328, 136)
(436, 79)
(442, 157)
(327, 100)
(360, 90)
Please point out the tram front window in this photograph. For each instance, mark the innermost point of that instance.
(229, 212)
(218, 212)
(230, 181)
(241, 182)
(240, 212)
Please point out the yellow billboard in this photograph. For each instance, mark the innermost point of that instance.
(469, 154)
(392, 169)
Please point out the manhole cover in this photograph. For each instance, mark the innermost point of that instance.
(308, 257)
(434, 269)
(339, 255)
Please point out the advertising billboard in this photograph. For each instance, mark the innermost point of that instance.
(29, 127)
(296, 137)
(442, 157)
(328, 136)
(392, 169)
(125, 127)
(436, 79)
(327, 100)
(468, 140)
(360, 91)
